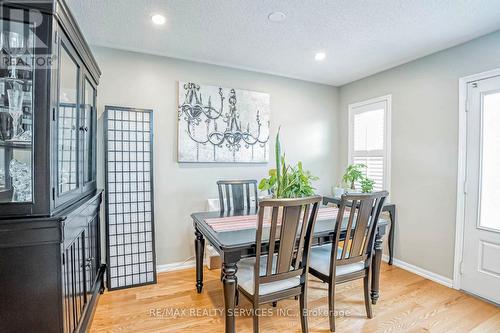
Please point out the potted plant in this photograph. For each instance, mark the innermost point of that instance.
(353, 173)
(338, 190)
(367, 185)
(287, 181)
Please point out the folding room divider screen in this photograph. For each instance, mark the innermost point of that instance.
(128, 146)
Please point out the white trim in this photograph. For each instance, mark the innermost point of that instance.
(420, 271)
(387, 135)
(480, 76)
(462, 164)
(462, 168)
(176, 266)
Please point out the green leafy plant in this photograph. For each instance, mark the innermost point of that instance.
(353, 173)
(367, 185)
(287, 181)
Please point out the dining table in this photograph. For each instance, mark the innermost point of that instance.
(234, 243)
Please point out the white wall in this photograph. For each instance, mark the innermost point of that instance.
(424, 145)
(307, 113)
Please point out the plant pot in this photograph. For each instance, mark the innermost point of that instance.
(338, 191)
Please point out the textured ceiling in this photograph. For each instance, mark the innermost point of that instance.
(359, 37)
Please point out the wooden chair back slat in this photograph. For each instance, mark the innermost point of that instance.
(237, 194)
(362, 227)
(289, 225)
(247, 188)
(272, 237)
(295, 213)
(221, 199)
(228, 197)
(300, 248)
(340, 217)
(377, 209)
(363, 215)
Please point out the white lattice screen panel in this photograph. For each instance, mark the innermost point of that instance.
(129, 197)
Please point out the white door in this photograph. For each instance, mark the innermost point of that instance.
(481, 251)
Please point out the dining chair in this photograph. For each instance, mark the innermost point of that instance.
(349, 256)
(282, 272)
(237, 194)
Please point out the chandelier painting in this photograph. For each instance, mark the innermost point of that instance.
(222, 124)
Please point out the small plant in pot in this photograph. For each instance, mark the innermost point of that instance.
(287, 181)
(367, 185)
(355, 173)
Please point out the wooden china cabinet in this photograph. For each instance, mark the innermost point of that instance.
(50, 253)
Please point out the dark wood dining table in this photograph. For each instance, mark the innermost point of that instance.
(236, 244)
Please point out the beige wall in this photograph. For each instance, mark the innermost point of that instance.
(307, 113)
(424, 145)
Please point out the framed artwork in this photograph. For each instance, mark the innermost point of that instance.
(222, 125)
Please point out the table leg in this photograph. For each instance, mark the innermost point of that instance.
(376, 261)
(230, 284)
(392, 217)
(199, 247)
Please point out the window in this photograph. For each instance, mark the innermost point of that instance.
(490, 182)
(369, 139)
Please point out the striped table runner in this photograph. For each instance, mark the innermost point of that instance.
(232, 223)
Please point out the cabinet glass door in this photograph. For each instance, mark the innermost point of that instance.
(16, 111)
(67, 126)
(88, 132)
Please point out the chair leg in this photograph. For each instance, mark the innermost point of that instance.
(303, 310)
(331, 305)
(255, 320)
(368, 303)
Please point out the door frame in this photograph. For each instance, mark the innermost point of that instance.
(463, 106)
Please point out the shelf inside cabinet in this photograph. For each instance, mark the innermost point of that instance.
(16, 144)
(18, 80)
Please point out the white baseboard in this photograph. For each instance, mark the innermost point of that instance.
(176, 266)
(420, 271)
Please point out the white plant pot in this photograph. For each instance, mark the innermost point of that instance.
(338, 191)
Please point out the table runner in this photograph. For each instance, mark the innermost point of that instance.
(232, 223)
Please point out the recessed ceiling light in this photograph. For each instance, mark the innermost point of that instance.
(277, 17)
(319, 56)
(158, 19)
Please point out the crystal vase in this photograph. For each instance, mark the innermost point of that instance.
(15, 96)
(15, 45)
(21, 181)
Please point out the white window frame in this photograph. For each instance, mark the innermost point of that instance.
(387, 134)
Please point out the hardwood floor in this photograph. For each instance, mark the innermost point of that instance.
(408, 303)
